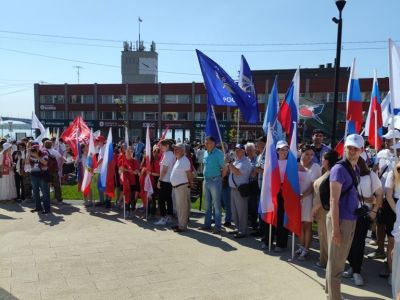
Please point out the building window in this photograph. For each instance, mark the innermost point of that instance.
(112, 99)
(150, 116)
(176, 116)
(176, 99)
(261, 98)
(221, 116)
(200, 99)
(112, 115)
(136, 115)
(51, 99)
(200, 116)
(86, 115)
(46, 114)
(262, 114)
(59, 115)
(143, 99)
(82, 99)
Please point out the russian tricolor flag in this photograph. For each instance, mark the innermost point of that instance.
(91, 164)
(374, 123)
(107, 171)
(291, 188)
(289, 110)
(354, 105)
(271, 183)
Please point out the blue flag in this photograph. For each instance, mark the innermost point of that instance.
(246, 79)
(271, 114)
(211, 125)
(223, 91)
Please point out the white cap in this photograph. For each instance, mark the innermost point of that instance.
(354, 140)
(392, 133)
(281, 144)
(6, 146)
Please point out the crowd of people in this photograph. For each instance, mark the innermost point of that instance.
(347, 197)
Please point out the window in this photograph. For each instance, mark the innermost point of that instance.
(143, 99)
(174, 99)
(262, 114)
(82, 99)
(106, 115)
(176, 116)
(200, 116)
(112, 115)
(46, 114)
(261, 98)
(86, 115)
(200, 99)
(150, 116)
(51, 99)
(136, 115)
(112, 99)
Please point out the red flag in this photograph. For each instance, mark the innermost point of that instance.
(77, 127)
(163, 136)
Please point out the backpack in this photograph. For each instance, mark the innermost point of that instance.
(324, 188)
(52, 164)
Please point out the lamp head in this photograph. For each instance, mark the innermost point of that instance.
(340, 4)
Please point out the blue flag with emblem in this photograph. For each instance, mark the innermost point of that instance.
(223, 91)
(211, 125)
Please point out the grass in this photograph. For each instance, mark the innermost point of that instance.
(70, 192)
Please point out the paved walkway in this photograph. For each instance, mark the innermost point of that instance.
(76, 253)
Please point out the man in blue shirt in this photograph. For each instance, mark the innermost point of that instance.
(212, 185)
(318, 146)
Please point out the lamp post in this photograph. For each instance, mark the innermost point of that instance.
(340, 5)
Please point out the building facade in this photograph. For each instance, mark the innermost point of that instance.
(181, 107)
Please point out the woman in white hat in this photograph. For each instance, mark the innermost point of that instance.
(7, 180)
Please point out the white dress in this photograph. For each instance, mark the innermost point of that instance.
(306, 178)
(8, 190)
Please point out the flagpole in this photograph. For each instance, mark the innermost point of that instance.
(270, 238)
(123, 197)
(391, 88)
(376, 131)
(238, 125)
(293, 238)
(219, 133)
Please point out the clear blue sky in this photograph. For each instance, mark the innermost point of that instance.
(189, 22)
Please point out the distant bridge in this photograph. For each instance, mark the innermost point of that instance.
(26, 121)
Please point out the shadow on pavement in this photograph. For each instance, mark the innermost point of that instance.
(6, 295)
(50, 219)
(4, 217)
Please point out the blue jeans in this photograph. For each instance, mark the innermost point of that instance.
(212, 189)
(226, 202)
(39, 184)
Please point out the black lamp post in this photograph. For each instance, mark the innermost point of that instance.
(340, 5)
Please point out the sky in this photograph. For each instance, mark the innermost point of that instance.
(280, 34)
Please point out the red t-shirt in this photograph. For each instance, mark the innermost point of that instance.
(129, 164)
(6, 164)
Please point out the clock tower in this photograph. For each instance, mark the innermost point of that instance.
(138, 65)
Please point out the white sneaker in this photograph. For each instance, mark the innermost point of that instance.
(358, 280)
(348, 273)
(303, 255)
(162, 222)
(168, 220)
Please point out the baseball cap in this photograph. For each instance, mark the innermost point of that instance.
(239, 146)
(354, 140)
(281, 144)
(179, 146)
(392, 133)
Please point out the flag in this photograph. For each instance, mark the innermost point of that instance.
(69, 135)
(354, 105)
(107, 171)
(57, 141)
(36, 124)
(394, 79)
(246, 78)
(79, 169)
(91, 164)
(164, 134)
(268, 207)
(126, 136)
(373, 124)
(291, 189)
(148, 186)
(271, 113)
(211, 125)
(386, 110)
(289, 109)
(223, 91)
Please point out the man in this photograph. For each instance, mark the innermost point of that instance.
(318, 146)
(212, 185)
(252, 201)
(341, 218)
(19, 162)
(240, 171)
(37, 160)
(53, 168)
(181, 181)
(258, 172)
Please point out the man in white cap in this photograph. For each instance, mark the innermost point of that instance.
(341, 218)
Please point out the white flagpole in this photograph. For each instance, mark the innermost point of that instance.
(219, 133)
(293, 239)
(270, 238)
(123, 199)
(376, 131)
(391, 88)
(238, 125)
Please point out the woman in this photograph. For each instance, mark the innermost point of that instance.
(371, 193)
(329, 159)
(281, 232)
(128, 169)
(308, 173)
(164, 183)
(392, 187)
(154, 173)
(7, 179)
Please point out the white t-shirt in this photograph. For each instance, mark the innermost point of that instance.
(167, 161)
(282, 168)
(390, 184)
(396, 226)
(315, 171)
(369, 184)
(178, 172)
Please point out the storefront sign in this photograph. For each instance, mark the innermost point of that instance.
(48, 107)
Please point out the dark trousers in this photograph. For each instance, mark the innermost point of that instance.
(55, 181)
(356, 253)
(39, 184)
(19, 185)
(165, 199)
(253, 210)
(280, 232)
(154, 198)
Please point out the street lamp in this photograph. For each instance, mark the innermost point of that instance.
(340, 5)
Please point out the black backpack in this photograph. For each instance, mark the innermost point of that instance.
(324, 188)
(52, 164)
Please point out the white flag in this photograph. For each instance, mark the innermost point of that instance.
(36, 124)
(394, 79)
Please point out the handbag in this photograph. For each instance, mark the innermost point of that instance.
(244, 189)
